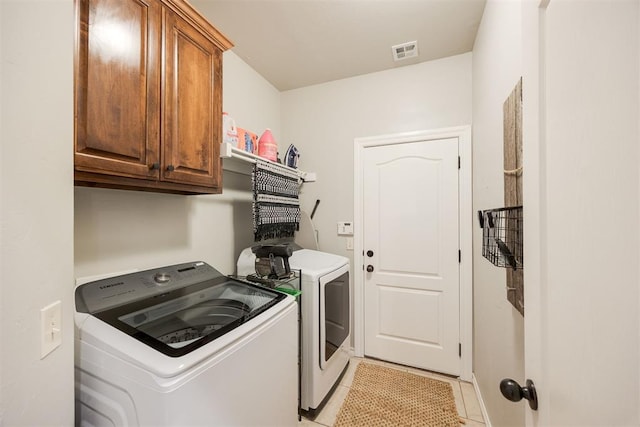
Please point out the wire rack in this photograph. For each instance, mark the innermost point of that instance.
(502, 236)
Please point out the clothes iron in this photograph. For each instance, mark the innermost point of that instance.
(291, 156)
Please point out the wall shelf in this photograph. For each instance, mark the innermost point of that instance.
(240, 161)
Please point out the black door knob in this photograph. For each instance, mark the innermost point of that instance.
(154, 166)
(513, 392)
(369, 253)
(170, 168)
(370, 268)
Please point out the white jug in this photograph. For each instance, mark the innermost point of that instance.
(229, 130)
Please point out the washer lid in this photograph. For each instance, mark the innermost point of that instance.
(178, 319)
(316, 262)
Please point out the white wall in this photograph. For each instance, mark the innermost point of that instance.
(323, 120)
(498, 327)
(118, 230)
(36, 178)
(252, 101)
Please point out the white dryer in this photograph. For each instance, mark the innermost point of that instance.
(325, 305)
(184, 345)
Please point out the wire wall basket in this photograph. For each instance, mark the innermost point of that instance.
(502, 236)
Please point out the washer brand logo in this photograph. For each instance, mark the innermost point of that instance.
(110, 285)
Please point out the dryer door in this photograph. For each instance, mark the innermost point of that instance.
(334, 313)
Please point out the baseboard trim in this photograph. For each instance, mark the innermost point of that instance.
(483, 408)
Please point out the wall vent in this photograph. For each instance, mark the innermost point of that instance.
(405, 50)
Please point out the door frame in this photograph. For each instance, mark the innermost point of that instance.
(534, 201)
(465, 221)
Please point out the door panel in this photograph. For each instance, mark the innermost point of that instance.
(412, 308)
(118, 56)
(405, 325)
(397, 209)
(192, 116)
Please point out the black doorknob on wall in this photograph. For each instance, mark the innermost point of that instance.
(370, 268)
(511, 390)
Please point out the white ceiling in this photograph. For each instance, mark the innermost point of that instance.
(297, 43)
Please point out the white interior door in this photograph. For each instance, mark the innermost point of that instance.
(568, 347)
(411, 228)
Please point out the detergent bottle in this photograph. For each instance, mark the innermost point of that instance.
(267, 146)
(229, 130)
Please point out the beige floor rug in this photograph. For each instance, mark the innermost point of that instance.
(381, 396)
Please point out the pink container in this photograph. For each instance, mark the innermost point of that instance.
(267, 146)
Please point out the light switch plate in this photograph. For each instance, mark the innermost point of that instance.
(345, 228)
(349, 243)
(50, 328)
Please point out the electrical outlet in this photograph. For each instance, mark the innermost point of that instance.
(50, 328)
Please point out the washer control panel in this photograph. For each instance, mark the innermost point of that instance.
(119, 290)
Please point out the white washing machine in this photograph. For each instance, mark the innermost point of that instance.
(185, 346)
(325, 303)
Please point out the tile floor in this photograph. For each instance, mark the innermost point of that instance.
(466, 399)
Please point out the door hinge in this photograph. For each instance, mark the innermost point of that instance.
(458, 162)
(459, 349)
(459, 256)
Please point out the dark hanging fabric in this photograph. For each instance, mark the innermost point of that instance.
(276, 208)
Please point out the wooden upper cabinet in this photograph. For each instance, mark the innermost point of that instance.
(148, 106)
(191, 114)
(118, 87)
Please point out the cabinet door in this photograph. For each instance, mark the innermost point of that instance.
(192, 99)
(118, 87)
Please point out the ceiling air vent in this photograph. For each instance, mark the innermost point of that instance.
(405, 50)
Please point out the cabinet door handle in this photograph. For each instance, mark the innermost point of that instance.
(170, 168)
(155, 166)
